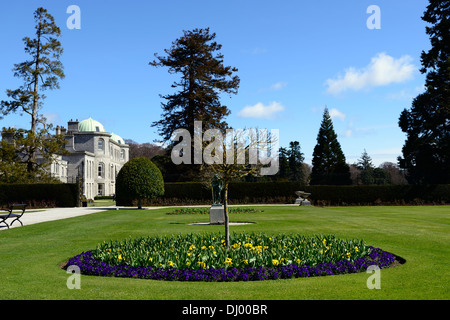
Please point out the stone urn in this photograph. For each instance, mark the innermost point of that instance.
(302, 198)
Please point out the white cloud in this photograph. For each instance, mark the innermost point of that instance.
(335, 113)
(51, 117)
(406, 94)
(365, 131)
(274, 87)
(278, 86)
(348, 133)
(260, 110)
(382, 70)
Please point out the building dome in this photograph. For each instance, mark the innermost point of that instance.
(90, 125)
(117, 138)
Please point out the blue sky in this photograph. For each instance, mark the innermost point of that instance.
(294, 58)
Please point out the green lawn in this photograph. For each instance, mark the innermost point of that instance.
(30, 256)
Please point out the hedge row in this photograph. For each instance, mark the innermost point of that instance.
(39, 195)
(191, 193)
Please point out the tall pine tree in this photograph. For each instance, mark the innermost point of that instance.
(329, 167)
(426, 152)
(41, 72)
(196, 57)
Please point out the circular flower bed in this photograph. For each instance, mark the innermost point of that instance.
(195, 257)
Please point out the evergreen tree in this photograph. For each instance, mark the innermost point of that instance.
(36, 147)
(426, 152)
(296, 162)
(328, 161)
(203, 77)
(283, 162)
(367, 169)
(138, 179)
(290, 163)
(40, 73)
(381, 177)
(365, 162)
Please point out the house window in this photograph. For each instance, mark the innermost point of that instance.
(122, 154)
(100, 144)
(101, 170)
(97, 129)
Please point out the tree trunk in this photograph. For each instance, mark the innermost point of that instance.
(36, 81)
(35, 99)
(227, 220)
(139, 203)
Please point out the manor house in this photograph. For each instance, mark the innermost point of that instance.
(95, 156)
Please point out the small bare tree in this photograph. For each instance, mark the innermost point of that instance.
(241, 153)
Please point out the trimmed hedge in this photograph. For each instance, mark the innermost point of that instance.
(138, 178)
(380, 195)
(39, 195)
(191, 193)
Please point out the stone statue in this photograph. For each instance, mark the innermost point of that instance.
(217, 186)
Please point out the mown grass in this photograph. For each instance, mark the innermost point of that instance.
(30, 256)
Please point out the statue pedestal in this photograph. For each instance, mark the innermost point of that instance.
(216, 214)
(302, 202)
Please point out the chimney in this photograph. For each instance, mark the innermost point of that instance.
(58, 130)
(72, 126)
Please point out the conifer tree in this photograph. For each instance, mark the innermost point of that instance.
(41, 72)
(296, 162)
(283, 160)
(329, 167)
(196, 57)
(426, 152)
(367, 169)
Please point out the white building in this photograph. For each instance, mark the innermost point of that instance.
(94, 155)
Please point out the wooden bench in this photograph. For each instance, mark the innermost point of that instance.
(11, 214)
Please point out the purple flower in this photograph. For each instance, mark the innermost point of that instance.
(89, 266)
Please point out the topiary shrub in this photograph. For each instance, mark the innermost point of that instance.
(138, 179)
